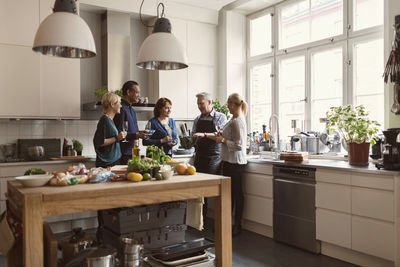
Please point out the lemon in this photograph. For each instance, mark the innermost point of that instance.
(191, 170)
(146, 176)
(134, 177)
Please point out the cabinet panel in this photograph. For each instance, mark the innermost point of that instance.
(335, 177)
(19, 21)
(60, 87)
(258, 209)
(202, 43)
(258, 185)
(334, 197)
(179, 29)
(333, 227)
(261, 168)
(19, 82)
(370, 181)
(200, 79)
(378, 204)
(173, 85)
(3, 187)
(373, 237)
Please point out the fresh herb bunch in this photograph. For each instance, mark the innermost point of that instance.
(156, 154)
(78, 147)
(138, 164)
(353, 124)
(33, 171)
(187, 142)
(221, 108)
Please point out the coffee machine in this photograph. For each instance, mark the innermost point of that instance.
(391, 149)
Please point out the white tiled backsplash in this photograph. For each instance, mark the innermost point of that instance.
(82, 130)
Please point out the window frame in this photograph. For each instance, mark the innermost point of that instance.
(346, 40)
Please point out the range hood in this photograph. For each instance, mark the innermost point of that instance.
(94, 110)
(116, 63)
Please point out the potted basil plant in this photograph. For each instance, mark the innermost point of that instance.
(356, 129)
(78, 147)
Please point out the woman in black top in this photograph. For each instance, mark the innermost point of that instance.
(106, 139)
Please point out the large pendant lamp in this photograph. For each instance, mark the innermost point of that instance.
(161, 50)
(64, 33)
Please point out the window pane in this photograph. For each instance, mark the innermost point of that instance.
(367, 13)
(291, 92)
(367, 72)
(309, 20)
(260, 35)
(326, 18)
(260, 95)
(326, 84)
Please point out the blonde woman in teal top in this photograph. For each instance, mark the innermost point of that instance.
(106, 139)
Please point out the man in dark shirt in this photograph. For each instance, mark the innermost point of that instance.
(131, 94)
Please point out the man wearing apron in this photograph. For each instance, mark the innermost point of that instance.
(206, 125)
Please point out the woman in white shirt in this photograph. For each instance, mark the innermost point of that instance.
(234, 138)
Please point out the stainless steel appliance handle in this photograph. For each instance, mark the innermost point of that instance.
(294, 182)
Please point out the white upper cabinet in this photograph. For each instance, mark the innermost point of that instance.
(202, 43)
(19, 21)
(200, 79)
(19, 82)
(60, 87)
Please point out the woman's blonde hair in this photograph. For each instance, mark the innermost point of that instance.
(237, 100)
(108, 100)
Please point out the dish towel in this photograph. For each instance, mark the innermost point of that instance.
(194, 213)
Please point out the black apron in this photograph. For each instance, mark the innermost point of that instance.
(208, 152)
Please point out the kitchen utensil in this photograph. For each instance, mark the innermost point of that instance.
(34, 180)
(395, 106)
(76, 243)
(36, 152)
(102, 257)
(132, 253)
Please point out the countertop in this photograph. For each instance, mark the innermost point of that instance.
(327, 164)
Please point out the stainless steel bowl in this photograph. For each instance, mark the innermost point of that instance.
(36, 152)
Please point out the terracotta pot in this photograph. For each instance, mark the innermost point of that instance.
(358, 153)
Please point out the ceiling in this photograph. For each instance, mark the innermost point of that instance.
(242, 6)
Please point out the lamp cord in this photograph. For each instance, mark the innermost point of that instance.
(158, 14)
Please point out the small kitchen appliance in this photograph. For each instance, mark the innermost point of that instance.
(391, 149)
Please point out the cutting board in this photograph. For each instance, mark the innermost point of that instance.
(70, 158)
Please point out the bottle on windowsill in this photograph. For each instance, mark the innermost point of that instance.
(135, 149)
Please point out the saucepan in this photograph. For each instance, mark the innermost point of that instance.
(36, 152)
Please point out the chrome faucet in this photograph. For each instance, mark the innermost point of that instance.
(277, 131)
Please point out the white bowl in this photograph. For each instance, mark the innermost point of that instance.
(167, 174)
(34, 180)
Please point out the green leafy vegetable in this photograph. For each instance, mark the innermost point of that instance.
(33, 171)
(157, 155)
(187, 142)
(138, 164)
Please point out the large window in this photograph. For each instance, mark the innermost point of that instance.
(317, 62)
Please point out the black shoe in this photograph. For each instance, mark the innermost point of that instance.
(236, 230)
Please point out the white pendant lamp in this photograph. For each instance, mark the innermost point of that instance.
(64, 33)
(161, 50)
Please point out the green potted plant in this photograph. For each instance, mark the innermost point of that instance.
(78, 147)
(221, 108)
(356, 129)
(99, 92)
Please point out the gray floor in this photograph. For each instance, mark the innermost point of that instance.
(253, 250)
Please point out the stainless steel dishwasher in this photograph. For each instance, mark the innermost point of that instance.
(294, 207)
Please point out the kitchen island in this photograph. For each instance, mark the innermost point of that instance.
(34, 203)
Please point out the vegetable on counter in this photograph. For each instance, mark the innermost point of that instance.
(33, 171)
(156, 154)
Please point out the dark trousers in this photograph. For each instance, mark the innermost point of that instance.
(100, 163)
(124, 159)
(235, 171)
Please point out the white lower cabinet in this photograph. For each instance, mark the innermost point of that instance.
(377, 204)
(333, 227)
(373, 237)
(258, 209)
(333, 196)
(258, 184)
